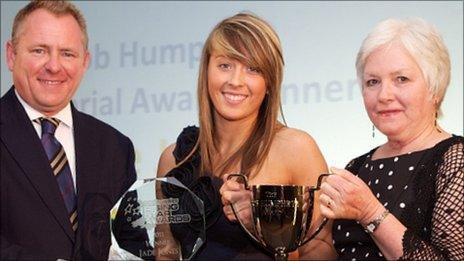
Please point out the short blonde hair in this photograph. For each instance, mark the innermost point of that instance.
(424, 44)
(56, 7)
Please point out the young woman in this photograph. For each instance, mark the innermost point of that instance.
(239, 86)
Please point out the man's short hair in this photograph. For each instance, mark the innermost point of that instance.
(58, 8)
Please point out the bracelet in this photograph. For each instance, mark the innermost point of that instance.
(374, 224)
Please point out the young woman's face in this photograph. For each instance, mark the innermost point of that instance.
(236, 90)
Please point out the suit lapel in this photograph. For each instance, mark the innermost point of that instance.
(87, 172)
(21, 140)
(86, 147)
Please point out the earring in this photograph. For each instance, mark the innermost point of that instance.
(373, 131)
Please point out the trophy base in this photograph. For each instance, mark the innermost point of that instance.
(280, 254)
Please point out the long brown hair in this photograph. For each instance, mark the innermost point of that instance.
(252, 41)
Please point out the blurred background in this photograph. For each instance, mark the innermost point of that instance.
(145, 55)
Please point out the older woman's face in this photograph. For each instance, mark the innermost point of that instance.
(395, 93)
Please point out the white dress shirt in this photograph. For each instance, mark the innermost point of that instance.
(64, 132)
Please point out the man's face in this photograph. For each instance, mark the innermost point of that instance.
(48, 61)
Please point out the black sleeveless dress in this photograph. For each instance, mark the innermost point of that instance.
(224, 240)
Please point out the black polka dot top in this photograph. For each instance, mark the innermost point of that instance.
(399, 183)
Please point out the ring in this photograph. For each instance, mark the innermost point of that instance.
(330, 202)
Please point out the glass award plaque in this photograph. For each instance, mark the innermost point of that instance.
(150, 218)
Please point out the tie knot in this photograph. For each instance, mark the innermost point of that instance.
(49, 124)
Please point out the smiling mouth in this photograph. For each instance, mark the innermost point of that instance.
(234, 98)
(50, 82)
(387, 113)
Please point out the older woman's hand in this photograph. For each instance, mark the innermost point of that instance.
(345, 196)
(235, 193)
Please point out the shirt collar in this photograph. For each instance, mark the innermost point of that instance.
(64, 115)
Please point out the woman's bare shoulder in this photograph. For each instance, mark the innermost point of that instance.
(302, 156)
(295, 139)
(166, 161)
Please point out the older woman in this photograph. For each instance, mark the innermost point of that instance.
(405, 198)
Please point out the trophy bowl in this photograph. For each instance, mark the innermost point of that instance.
(281, 216)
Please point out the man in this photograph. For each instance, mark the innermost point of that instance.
(61, 170)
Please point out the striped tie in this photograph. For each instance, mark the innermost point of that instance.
(59, 165)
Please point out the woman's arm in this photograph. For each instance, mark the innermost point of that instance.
(306, 163)
(447, 237)
(350, 198)
(345, 196)
(166, 247)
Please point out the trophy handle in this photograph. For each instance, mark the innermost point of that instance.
(243, 177)
(319, 180)
(325, 220)
(245, 181)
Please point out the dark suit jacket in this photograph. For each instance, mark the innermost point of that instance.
(34, 222)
